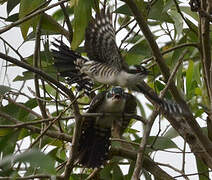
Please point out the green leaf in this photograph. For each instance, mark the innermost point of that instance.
(50, 26)
(27, 75)
(131, 170)
(138, 52)
(161, 142)
(25, 9)
(35, 158)
(3, 1)
(178, 21)
(124, 10)
(78, 176)
(141, 108)
(179, 77)
(8, 142)
(157, 12)
(202, 169)
(117, 173)
(168, 5)
(59, 15)
(10, 109)
(11, 4)
(53, 155)
(12, 18)
(189, 77)
(82, 14)
(160, 86)
(187, 10)
(18, 112)
(4, 89)
(105, 173)
(23, 114)
(196, 74)
(171, 133)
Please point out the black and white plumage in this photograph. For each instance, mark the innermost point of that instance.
(94, 142)
(105, 64)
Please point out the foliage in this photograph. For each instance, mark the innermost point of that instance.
(181, 40)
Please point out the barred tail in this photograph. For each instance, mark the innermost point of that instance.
(94, 146)
(65, 60)
(168, 106)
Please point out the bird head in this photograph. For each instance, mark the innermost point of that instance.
(138, 69)
(116, 93)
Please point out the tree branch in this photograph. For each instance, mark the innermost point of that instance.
(198, 137)
(149, 164)
(52, 134)
(16, 23)
(36, 60)
(186, 21)
(147, 129)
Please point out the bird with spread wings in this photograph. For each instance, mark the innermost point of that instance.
(94, 141)
(105, 64)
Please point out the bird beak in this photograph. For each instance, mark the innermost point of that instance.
(117, 96)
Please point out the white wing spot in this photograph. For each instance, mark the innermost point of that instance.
(101, 31)
(107, 19)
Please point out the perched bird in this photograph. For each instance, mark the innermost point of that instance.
(105, 64)
(94, 142)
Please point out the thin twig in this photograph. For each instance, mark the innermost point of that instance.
(49, 125)
(194, 174)
(172, 49)
(16, 23)
(124, 26)
(53, 134)
(128, 34)
(36, 60)
(23, 107)
(20, 56)
(179, 62)
(147, 129)
(186, 21)
(175, 169)
(184, 157)
(140, 156)
(67, 20)
(42, 74)
(93, 174)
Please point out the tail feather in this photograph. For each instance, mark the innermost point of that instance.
(66, 62)
(168, 106)
(172, 107)
(94, 146)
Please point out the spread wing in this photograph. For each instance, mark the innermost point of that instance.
(96, 101)
(65, 62)
(100, 42)
(130, 108)
(94, 141)
(131, 104)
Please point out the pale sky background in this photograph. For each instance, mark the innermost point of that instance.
(14, 37)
